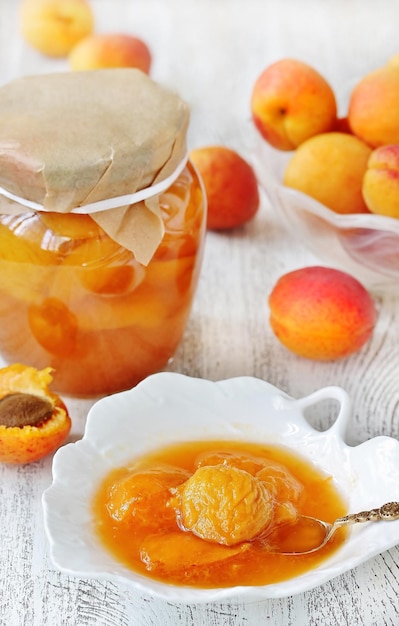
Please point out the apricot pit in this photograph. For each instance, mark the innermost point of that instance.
(24, 409)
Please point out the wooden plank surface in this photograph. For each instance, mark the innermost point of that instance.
(211, 51)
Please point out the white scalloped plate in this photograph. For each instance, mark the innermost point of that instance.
(167, 408)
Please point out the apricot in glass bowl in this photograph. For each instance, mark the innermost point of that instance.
(313, 146)
(365, 245)
(166, 411)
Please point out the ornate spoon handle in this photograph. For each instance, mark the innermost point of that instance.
(387, 512)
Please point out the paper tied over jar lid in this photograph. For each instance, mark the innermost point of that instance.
(103, 142)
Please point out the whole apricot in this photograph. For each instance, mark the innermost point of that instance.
(373, 111)
(230, 184)
(381, 181)
(101, 51)
(330, 168)
(291, 102)
(321, 313)
(54, 27)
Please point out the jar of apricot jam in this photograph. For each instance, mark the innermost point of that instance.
(73, 295)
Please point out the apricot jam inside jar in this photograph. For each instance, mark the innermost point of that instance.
(99, 290)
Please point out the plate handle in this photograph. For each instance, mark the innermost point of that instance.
(331, 393)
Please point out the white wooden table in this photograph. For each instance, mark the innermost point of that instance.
(211, 51)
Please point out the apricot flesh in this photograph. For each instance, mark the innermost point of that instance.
(321, 313)
(135, 493)
(175, 551)
(381, 181)
(330, 168)
(44, 422)
(223, 504)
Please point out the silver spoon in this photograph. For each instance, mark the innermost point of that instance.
(387, 512)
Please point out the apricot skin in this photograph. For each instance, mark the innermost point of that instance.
(101, 51)
(394, 60)
(230, 184)
(291, 102)
(381, 181)
(54, 27)
(330, 168)
(31, 443)
(321, 313)
(373, 112)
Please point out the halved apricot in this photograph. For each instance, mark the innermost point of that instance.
(33, 420)
(134, 496)
(54, 326)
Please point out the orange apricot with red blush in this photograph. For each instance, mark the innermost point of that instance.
(321, 313)
(291, 102)
(231, 186)
(110, 50)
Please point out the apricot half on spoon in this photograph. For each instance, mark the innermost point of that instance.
(315, 533)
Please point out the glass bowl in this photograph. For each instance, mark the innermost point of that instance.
(364, 245)
(169, 408)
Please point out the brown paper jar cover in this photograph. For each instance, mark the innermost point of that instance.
(103, 298)
(73, 138)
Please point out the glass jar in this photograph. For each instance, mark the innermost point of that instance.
(74, 299)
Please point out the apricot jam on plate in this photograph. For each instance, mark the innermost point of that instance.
(203, 513)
